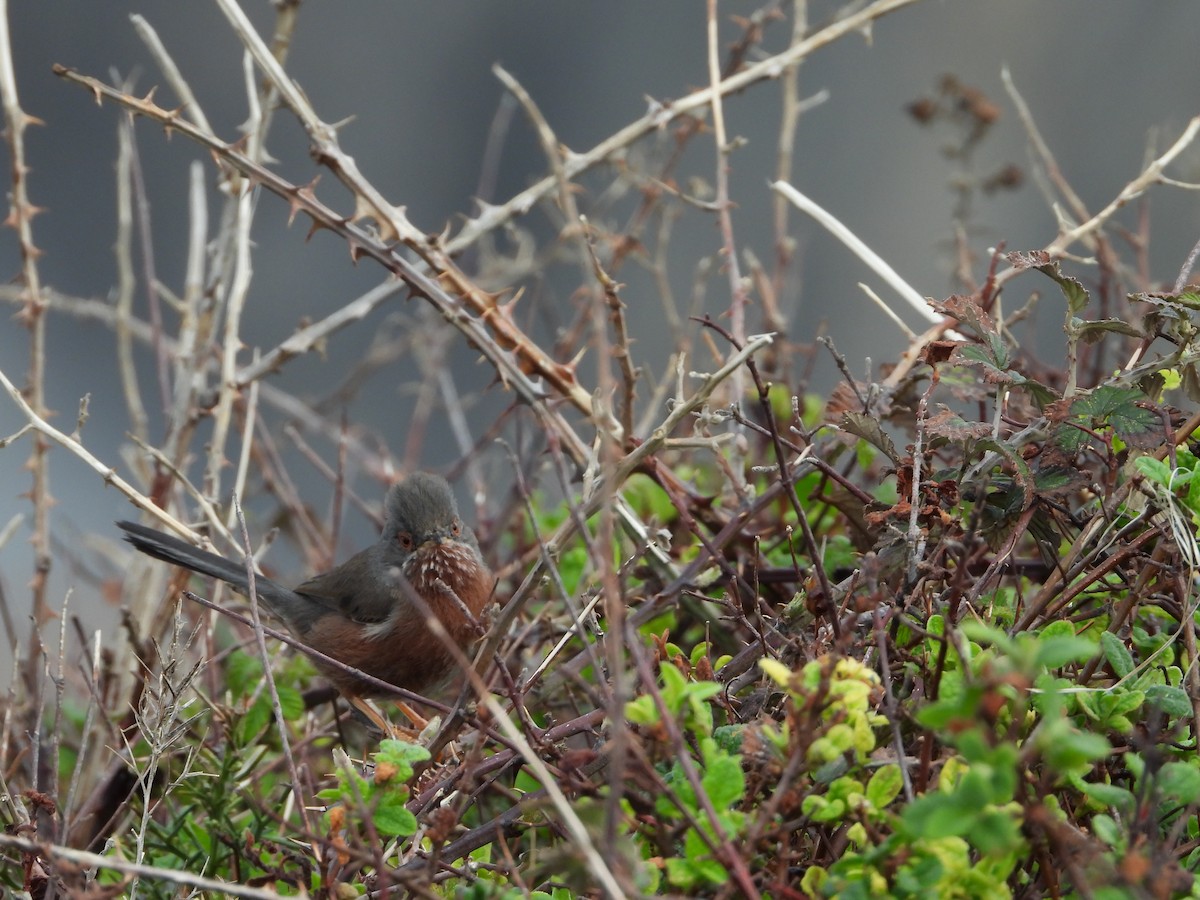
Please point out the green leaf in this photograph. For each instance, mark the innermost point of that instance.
(642, 710)
(1118, 407)
(1077, 297)
(649, 499)
(702, 690)
(812, 804)
(814, 878)
(1058, 479)
(724, 781)
(674, 684)
(698, 868)
(1072, 749)
(939, 815)
(1116, 654)
(1041, 394)
(996, 831)
(1021, 473)
(1174, 701)
(885, 786)
(1056, 652)
(1180, 781)
(391, 815)
(870, 430)
(776, 671)
(690, 874)
(949, 711)
(255, 719)
(1092, 331)
(1106, 828)
(401, 755)
(243, 673)
(291, 702)
(1110, 795)
(831, 811)
(975, 355)
(984, 634)
(1120, 701)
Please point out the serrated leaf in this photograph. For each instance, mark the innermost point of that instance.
(949, 424)
(1069, 438)
(255, 719)
(1183, 300)
(1028, 259)
(1058, 480)
(1072, 289)
(1092, 331)
(291, 702)
(871, 431)
(1119, 408)
(1021, 473)
(975, 355)
(1000, 351)
(1190, 381)
(400, 756)
(1137, 427)
(967, 311)
(1041, 394)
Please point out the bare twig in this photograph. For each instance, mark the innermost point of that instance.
(20, 217)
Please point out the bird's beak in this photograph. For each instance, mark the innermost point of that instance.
(437, 539)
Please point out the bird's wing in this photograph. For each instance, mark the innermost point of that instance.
(353, 590)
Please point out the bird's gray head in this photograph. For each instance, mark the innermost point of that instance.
(421, 509)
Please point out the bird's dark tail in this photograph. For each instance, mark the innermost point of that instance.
(171, 549)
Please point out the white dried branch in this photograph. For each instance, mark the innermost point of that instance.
(873, 260)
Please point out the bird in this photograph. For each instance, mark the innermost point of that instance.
(366, 612)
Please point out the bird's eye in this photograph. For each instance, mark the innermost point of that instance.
(456, 528)
(405, 540)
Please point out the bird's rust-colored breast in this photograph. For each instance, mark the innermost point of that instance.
(456, 567)
(402, 650)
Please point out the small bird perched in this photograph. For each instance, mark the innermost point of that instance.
(362, 613)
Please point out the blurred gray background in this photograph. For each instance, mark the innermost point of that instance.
(1103, 80)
